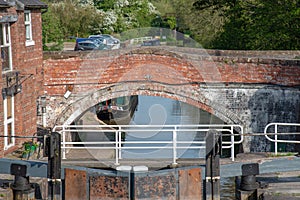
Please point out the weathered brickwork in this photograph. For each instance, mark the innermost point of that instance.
(229, 87)
(27, 60)
(94, 70)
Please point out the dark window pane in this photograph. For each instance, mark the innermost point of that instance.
(5, 58)
(9, 134)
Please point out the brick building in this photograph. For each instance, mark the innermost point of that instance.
(22, 58)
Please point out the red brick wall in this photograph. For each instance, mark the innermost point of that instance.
(28, 61)
(182, 72)
(1, 122)
(94, 71)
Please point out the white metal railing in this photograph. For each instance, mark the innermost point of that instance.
(173, 143)
(140, 40)
(276, 133)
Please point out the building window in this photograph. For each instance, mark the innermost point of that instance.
(9, 122)
(5, 45)
(8, 101)
(28, 28)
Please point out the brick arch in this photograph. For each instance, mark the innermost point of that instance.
(77, 108)
(154, 72)
(139, 65)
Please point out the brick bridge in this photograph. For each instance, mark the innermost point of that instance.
(248, 88)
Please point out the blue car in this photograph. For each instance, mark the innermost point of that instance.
(84, 44)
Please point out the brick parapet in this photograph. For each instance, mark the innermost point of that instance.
(242, 56)
(82, 68)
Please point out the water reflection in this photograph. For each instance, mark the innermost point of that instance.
(162, 111)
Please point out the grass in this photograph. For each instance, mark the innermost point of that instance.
(277, 194)
(282, 154)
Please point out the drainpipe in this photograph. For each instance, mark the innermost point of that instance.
(43, 104)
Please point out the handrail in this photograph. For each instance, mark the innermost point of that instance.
(276, 133)
(174, 143)
(140, 40)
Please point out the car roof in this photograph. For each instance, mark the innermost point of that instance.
(86, 41)
(94, 36)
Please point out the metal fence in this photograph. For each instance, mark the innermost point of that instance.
(234, 135)
(140, 40)
(281, 129)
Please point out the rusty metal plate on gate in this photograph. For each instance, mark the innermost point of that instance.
(190, 184)
(109, 188)
(162, 186)
(76, 184)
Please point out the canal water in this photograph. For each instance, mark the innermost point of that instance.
(162, 111)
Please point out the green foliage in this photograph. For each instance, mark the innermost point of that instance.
(171, 21)
(135, 14)
(51, 27)
(53, 46)
(221, 24)
(104, 5)
(69, 18)
(201, 25)
(257, 24)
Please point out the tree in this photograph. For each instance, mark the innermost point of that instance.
(256, 24)
(105, 5)
(70, 18)
(201, 25)
(126, 14)
(51, 27)
(275, 25)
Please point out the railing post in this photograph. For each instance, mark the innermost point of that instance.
(120, 142)
(117, 147)
(64, 143)
(175, 145)
(232, 143)
(276, 139)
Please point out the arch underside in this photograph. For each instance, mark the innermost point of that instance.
(190, 94)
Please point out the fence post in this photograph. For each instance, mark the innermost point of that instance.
(120, 142)
(64, 142)
(232, 143)
(212, 172)
(174, 146)
(116, 148)
(276, 145)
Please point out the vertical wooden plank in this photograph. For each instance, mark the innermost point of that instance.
(190, 184)
(75, 184)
